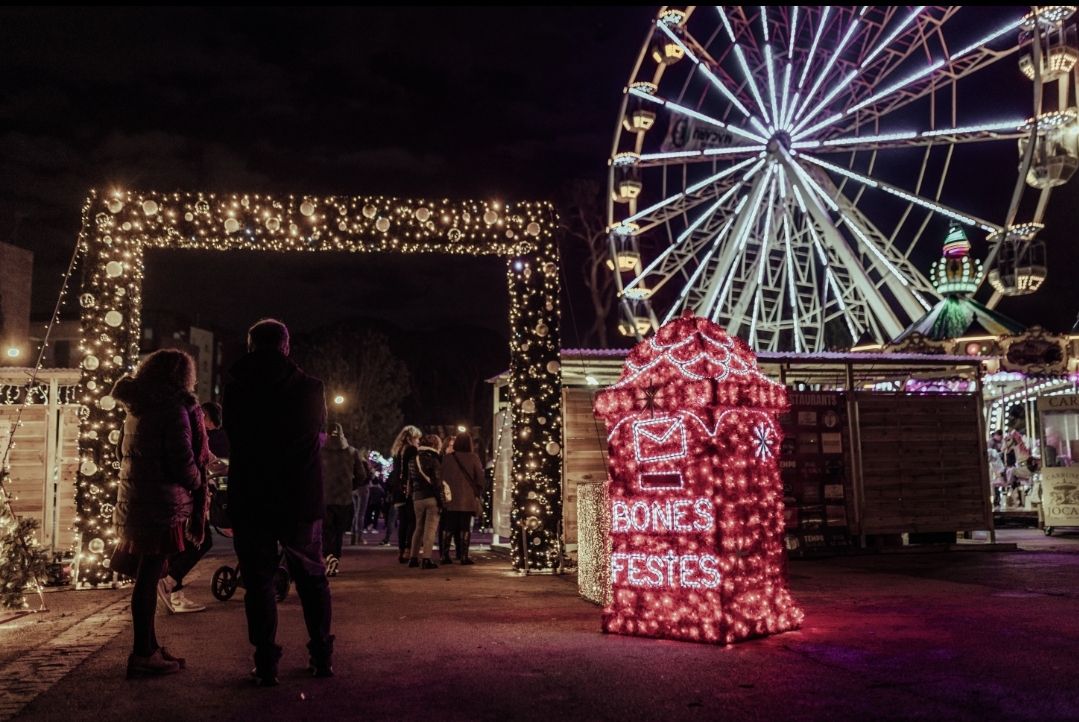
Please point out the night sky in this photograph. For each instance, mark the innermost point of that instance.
(484, 103)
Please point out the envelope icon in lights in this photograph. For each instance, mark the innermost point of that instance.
(661, 439)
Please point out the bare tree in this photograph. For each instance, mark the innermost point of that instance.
(585, 226)
(372, 382)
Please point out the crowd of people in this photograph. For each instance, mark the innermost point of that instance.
(292, 506)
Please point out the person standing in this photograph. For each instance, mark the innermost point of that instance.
(403, 452)
(361, 492)
(170, 590)
(342, 470)
(273, 415)
(425, 481)
(162, 443)
(463, 472)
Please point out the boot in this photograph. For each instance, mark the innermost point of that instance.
(320, 662)
(444, 547)
(463, 542)
(429, 564)
(151, 666)
(414, 562)
(265, 671)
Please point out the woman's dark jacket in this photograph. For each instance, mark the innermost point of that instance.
(425, 475)
(159, 452)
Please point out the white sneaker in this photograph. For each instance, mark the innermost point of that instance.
(164, 593)
(181, 604)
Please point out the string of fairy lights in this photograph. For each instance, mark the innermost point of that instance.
(21, 559)
(118, 226)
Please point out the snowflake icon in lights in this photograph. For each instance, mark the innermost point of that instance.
(764, 438)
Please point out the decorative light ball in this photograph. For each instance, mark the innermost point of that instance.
(106, 403)
(382, 225)
(91, 434)
(553, 367)
(307, 208)
(115, 205)
(490, 217)
(422, 214)
(107, 509)
(121, 291)
(549, 306)
(532, 229)
(532, 495)
(342, 226)
(553, 447)
(106, 562)
(96, 545)
(510, 233)
(149, 208)
(189, 216)
(113, 269)
(103, 220)
(542, 420)
(126, 225)
(117, 360)
(91, 384)
(454, 234)
(87, 300)
(88, 468)
(231, 225)
(293, 228)
(550, 269)
(202, 207)
(528, 406)
(114, 436)
(273, 223)
(83, 412)
(114, 318)
(369, 211)
(541, 329)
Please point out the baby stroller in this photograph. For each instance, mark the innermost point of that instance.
(227, 578)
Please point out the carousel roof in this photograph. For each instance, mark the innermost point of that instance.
(953, 317)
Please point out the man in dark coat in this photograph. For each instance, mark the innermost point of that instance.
(273, 414)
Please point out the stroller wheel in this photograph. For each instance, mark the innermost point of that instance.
(281, 583)
(223, 583)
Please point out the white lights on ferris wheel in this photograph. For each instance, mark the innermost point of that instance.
(769, 185)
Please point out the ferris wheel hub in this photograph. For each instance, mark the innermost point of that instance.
(780, 140)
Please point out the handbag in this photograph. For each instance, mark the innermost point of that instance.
(447, 495)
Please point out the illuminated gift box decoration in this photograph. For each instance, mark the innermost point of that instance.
(696, 499)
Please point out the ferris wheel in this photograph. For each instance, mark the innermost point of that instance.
(776, 169)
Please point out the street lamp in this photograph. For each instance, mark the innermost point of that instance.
(13, 352)
(339, 399)
(461, 429)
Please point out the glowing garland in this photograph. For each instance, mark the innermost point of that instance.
(117, 227)
(696, 501)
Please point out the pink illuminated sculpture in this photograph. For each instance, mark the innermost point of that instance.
(696, 498)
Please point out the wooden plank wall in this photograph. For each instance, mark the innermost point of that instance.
(31, 484)
(584, 444)
(922, 464)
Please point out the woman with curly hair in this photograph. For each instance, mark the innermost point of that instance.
(163, 449)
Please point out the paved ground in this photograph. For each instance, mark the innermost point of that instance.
(960, 636)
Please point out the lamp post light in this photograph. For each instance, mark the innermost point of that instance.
(338, 400)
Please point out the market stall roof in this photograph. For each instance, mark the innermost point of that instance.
(600, 367)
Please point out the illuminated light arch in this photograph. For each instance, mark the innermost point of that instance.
(696, 532)
(117, 228)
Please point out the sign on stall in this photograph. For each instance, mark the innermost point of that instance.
(1060, 461)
